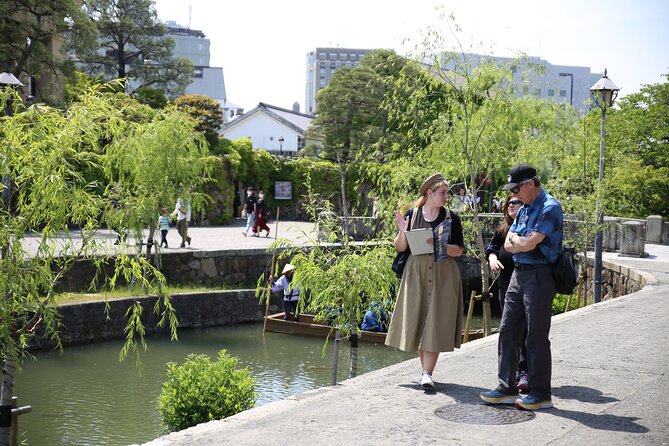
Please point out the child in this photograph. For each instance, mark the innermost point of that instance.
(164, 224)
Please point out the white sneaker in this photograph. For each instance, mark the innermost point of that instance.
(426, 381)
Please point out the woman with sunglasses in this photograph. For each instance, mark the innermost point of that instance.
(501, 261)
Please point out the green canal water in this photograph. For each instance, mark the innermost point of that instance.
(85, 396)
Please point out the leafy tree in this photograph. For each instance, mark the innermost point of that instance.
(637, 154)
(30, 31)
(48, 197)
(132, 45)
(153, 97)
(206, 111)
(152, 165)
(340, 278)
(199, 390)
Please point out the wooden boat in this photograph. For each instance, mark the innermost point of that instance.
(306, 325)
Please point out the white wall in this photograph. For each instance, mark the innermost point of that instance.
(264, 132)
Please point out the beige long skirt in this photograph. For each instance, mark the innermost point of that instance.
(428, 312)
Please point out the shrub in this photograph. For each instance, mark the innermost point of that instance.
(199, 390)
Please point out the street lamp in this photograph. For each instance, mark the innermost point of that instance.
(604, 92)
(281, 140)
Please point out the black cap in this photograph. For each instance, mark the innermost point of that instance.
(518, 174)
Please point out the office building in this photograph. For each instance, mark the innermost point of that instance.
(321, 65)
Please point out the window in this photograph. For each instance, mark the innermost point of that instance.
(322, 82)
(300, 143)
(551, 92)
(563, 93)
(322, 56)
(332, 56)
(342, 56)
(537, 92)
(352, 57)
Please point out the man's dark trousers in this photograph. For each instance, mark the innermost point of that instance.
(529, 299)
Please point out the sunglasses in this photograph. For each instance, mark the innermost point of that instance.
(515, 203)
(516, 189)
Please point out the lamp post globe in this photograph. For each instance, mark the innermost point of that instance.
(604, 93)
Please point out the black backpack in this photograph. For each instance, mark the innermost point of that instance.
(564, 271)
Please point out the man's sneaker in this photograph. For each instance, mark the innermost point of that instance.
(533, 403)
(494, 396)
(426, 381)
(523, 384)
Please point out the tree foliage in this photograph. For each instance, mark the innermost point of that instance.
(132, 44)
(30, 31)
(207, 113)
(40, 152)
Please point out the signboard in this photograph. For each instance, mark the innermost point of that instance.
(283, 190)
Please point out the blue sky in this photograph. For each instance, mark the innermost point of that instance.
(262, 45)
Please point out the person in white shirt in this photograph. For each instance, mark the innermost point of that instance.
(182, 211)
(290, 295)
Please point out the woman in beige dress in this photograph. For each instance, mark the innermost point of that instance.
(428, 312)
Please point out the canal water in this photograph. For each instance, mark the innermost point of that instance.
(85, 396)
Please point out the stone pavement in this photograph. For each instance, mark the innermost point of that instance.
(610, 386)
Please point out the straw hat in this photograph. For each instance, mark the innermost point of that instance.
(431, 181)
(288, 268)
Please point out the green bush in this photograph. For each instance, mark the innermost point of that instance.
(199, 390)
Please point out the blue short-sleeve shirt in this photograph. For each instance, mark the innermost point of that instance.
(543, 215)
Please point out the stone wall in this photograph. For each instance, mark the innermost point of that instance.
(89, 322)
(617, 280)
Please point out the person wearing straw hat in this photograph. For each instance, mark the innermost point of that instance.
(429, 307)
(290, 295)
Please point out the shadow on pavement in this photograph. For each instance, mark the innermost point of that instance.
(605, 421)
(583, 394)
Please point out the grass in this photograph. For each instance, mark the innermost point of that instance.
(123, 292)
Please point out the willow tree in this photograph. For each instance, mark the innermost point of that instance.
(151, 166)
(478, 124)
(40, 159)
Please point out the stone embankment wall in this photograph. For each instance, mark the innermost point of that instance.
(89, 322)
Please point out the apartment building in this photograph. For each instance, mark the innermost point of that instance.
(322, 64)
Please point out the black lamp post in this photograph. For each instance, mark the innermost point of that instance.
(604, 92)
(281, 140)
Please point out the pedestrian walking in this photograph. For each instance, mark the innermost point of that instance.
(164, 225)
(260, 222)
(249, 210)
(182, 211)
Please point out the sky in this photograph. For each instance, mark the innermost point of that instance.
(262, 44)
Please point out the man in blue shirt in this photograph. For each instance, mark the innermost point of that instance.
(535, 240)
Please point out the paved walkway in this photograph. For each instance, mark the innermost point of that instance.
(610, 386)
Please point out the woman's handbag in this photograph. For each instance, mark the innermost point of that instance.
(401, 258)
(400, 261)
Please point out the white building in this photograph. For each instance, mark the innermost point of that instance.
(560, 83)
(279, 131)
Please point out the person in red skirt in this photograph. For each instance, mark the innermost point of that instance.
(261, 216)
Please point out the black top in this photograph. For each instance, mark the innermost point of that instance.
(250, 202)
(496, 246)
(456, 237)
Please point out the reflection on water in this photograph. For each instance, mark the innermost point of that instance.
(85, 396)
